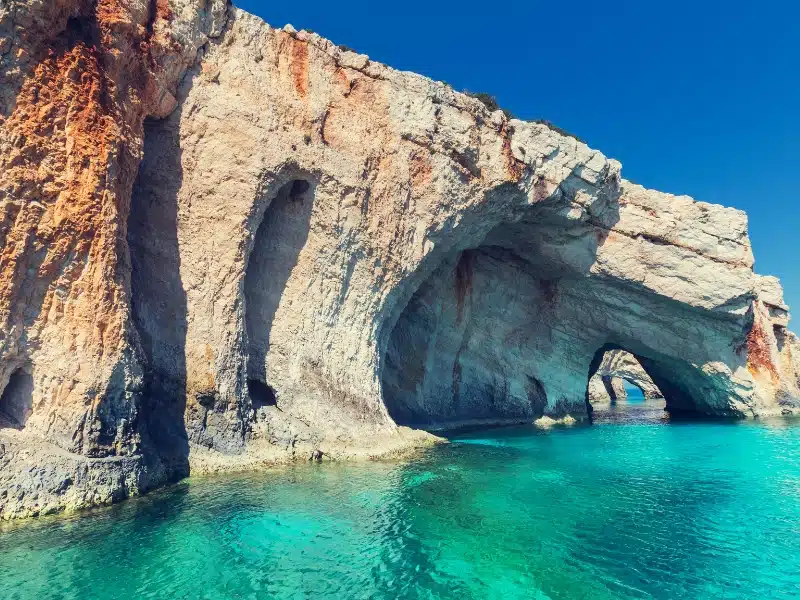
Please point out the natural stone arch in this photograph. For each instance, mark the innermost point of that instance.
(573, 305)
(465, 349)
(611, 366)
(470, 348)
(617, 366)
(686, 388)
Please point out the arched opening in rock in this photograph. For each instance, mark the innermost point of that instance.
(475, 343)
(619, 376)
(16, 401)
(468, 349)
(482, 341)
(668, 385)
(506, 330)
(260, 394)
(278, 241)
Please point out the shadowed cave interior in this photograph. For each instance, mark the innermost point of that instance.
(280, 237)
(512, 330)
(456, 355)
(468, 350)
(609, 382)
(16, 401)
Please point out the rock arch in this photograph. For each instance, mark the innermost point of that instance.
(518, 317)
(475, 343)
(607, 385)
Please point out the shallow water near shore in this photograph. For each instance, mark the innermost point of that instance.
(634, 506)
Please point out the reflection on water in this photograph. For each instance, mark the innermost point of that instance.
(635, 409)
(631, 507)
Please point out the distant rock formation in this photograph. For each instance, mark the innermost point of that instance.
(223, 244)
(618, 366)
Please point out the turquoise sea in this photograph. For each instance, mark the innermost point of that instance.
(633, 506)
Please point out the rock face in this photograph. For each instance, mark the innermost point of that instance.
(316, 248)
(617, 366)
(605, 389)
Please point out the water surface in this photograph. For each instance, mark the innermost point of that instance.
(631, 507)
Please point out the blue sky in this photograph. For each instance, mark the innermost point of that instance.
(698, 98)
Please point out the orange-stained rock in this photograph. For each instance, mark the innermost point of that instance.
(78, 81)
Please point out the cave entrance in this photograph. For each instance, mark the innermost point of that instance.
(458, 356)
(503, 327)
(16, 401)
(619, 376)
(260, 394)
(618, 383)
(277, 244)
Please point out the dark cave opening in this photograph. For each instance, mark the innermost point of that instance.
(476, 342)
(16, 401)
(261, 394)
(666, 385)
(502, 332)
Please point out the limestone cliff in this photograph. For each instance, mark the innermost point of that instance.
(223, 244)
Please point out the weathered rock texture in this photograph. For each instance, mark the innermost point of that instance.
(618, 366)
(77, 80)
(317, 248)
(606, 388)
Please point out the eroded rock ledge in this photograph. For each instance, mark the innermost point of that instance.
(224, 244)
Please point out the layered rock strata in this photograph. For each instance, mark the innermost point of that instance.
(223, 244)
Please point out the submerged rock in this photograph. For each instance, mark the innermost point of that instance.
(224, 239)
(548, 422)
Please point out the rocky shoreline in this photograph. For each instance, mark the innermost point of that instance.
(38, 479)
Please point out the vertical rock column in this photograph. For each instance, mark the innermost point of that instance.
(86, 74)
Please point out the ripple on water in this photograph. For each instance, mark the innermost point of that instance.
(636, 507)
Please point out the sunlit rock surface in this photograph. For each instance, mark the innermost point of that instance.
(224, 244)
(606, 388)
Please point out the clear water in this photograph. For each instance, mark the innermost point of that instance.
(631, 507)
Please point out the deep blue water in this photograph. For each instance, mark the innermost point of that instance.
(631, 507)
